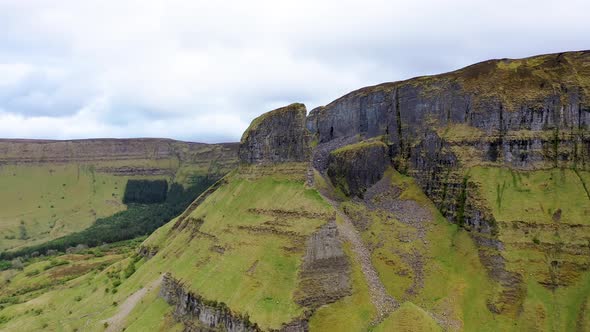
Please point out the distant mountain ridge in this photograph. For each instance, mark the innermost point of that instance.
(25, 151)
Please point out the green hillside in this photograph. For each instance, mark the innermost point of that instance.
(233, 249)
(49, 189)
(41, 203)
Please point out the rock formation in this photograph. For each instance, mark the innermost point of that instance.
(325, 273)
(277, 136)
(199, 314)
(355, 168)
(525, 114)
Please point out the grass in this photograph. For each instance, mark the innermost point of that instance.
(353, 148)
(44, 201)
(152, 314)
(534, 196)
(544, 219)
(65, 297)
(235, 258)
(40, 203)
(455, 283)
(266, 291)
(408, 318)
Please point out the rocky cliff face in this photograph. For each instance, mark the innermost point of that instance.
(526, 114)
(276, 136)
(357, 167)
(122, 156)
(198, 314)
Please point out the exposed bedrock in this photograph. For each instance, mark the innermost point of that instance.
(199, 314)
(354, 168)
(277, 136)
(325, 274)
(526, 114)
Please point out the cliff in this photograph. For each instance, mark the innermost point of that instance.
(277, 136)
(529, 116)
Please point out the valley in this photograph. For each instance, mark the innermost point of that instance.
(453, 202)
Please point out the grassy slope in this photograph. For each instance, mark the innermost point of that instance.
(73, 296)
(455, 283)
(525, 206)
(52, 200)
(255, 274)
(408, 318)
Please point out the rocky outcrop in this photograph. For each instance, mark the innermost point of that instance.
(199, 314)
(355, 168)
(276, 137)
(526, 114)
(147, 251)
(122, 156)
(324, 277)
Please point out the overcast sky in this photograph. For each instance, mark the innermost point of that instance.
(202, 70)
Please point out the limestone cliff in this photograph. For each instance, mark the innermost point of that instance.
(276, 136)
(525, 114)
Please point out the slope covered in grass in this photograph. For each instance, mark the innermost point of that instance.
(52, 188)
(137, 220)
(44, 202)
(543, 222)
(244, 245)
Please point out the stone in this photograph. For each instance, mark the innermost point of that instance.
(278, 136)
(355, 168)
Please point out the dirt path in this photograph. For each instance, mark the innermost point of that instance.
(382, 301)
(116, 322)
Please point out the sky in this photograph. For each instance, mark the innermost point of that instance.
(202, 70)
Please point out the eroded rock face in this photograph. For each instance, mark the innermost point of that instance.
(198, 314)
(356, 167)
(523, 114)
(325, 275)
(276, 137)
(526, 114)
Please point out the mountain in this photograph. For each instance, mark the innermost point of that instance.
(453, 202)
(50, 189)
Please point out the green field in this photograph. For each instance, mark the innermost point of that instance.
(45, 201)
(40, 203)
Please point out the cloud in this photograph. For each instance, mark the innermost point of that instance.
(202, 70)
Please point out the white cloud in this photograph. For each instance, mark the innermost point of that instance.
(201, 70)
